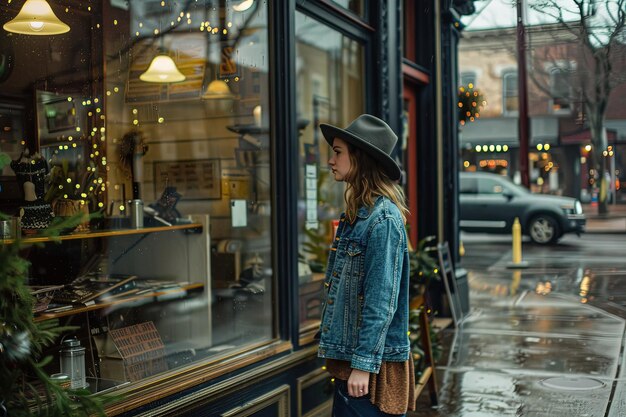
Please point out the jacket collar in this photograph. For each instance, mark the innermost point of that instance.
(364, 212)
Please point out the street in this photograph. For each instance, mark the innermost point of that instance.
(543, 341)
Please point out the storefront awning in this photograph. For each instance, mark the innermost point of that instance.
(584, 136)
(504, 131)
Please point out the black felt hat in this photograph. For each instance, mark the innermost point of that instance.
(372, 135)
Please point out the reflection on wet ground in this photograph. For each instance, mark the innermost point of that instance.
(543, 341)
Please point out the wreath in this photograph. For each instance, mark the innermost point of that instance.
(470, 102)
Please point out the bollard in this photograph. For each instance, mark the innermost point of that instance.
(517, 246)
(517, 241)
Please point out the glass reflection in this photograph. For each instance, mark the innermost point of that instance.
(187, 156)
(330, 82)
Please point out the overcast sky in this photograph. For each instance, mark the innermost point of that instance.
(502, 14)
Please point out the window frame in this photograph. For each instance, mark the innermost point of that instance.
(553, 74)
(507, 74)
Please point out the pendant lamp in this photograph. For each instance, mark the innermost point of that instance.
(217, 89)
(36, 18)
(243, 6)
(162, 69)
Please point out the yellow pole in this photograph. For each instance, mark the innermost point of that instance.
(517, 241)
(517, 247)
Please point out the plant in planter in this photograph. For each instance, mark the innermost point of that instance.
(71, 193)
(424, 271)
(424, 267)
(25, 388)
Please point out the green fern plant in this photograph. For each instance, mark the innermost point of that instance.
(26, 390)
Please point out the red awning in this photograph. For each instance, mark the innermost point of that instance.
(584, 136)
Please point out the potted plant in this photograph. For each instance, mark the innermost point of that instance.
(424, 271)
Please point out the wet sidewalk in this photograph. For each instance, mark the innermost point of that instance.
(543, 341)
(612, 222)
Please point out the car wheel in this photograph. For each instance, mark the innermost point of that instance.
(543, 229)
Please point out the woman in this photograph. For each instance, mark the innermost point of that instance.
(364, 327)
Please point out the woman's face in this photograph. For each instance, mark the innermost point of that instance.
(340, 161)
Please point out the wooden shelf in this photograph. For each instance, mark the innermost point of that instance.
(119, 301)
(105, 233)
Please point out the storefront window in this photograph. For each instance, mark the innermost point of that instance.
(169, 156)
(330, 80)
(510, 94)
(355, 6)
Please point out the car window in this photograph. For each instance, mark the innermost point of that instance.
(490, 186)
(468, 186)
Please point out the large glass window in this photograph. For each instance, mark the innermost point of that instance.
(509, 92)
(355, 6)
(330, 80)
(467, 77)
(152, 116)
(560, 88)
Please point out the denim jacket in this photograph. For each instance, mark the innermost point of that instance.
(366, 311)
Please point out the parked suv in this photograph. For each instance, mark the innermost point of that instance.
(489, 203)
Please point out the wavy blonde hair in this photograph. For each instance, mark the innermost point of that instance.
(366, 182)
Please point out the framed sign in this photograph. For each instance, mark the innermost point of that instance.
(197, 179)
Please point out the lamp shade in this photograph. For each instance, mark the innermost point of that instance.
(217, 89)
(243, 6)
(162, 69)
(36, 18)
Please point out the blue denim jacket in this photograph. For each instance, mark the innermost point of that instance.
(366, 312)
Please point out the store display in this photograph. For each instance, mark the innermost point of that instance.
(35, 213)
(86, 289)
(73, 363)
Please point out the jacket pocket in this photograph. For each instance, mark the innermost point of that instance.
(352, 276)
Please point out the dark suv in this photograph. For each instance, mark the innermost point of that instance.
(489, 203)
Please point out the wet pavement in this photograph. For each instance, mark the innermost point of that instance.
(543, 341)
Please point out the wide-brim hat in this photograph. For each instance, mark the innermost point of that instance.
(373, 136)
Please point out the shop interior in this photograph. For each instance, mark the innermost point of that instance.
(167, 168)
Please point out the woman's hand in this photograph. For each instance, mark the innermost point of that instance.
(358, 383)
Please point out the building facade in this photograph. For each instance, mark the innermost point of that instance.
(189, 132)
(560, 139)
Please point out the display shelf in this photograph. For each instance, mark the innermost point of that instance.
(164, 293)
(105, 233)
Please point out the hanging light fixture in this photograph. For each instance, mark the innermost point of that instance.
(217, 89)
(36, 18)
(243, 6)
(162, 69)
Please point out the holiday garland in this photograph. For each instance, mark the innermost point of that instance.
(470, 103)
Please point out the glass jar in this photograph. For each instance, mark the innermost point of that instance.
(73, 362)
